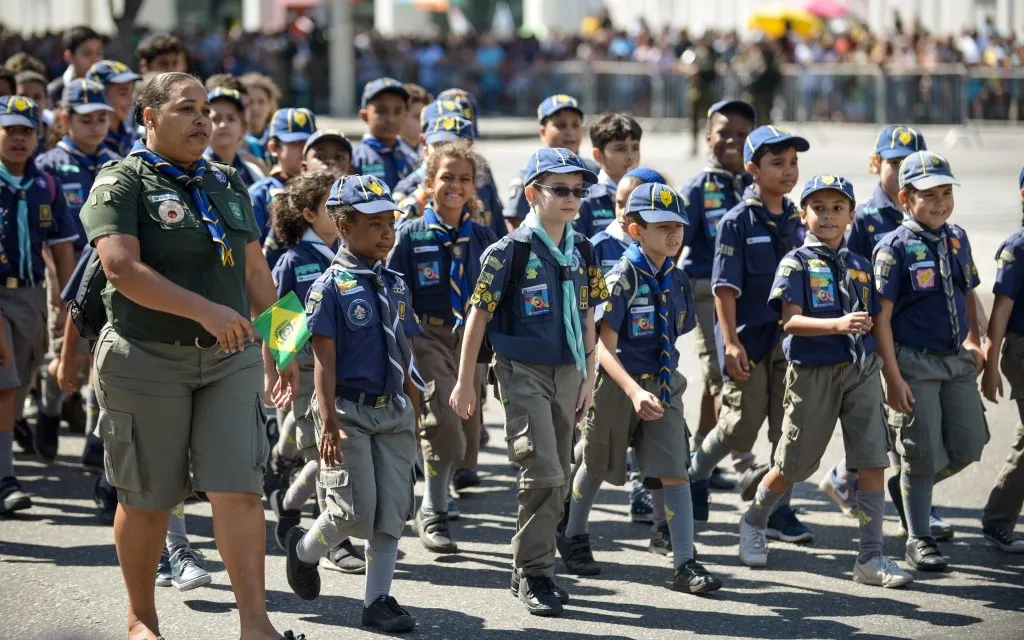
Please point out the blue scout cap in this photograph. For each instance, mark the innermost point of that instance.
(899, 141)
(366, 193)
(111, 72)
(463, 96)
(231, 95)
(555, 160)
(85, 96)
(444, 108)
(768, 134)
(448, 129)
(742, 106)
(924, 170)
(556, 103)
(828, 182)
(18, 111)
(292, 125)
(644, 174)
(656, 202)
(382, 85)
(327, 134)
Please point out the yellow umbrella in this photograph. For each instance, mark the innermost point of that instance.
(771, 20)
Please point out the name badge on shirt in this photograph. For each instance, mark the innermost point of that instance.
(759, 240)
(427, 248)
(823, 287)
(536, 301)
(712, 218)
(428, 273)
(374, 170)
(641, 321)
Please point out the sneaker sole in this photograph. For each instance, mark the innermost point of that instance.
(194, 583)
(330, 566)
(659, 551)
(754, 563)
(391, 628)
(163, 583)
(544, 612)
(707, 587)
(637, 518)
(20, 504)
(1003, 547)
(933, 568)
(829, 490)
(896, 584)
(803, 538)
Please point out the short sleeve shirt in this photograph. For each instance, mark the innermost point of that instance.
(1010, 277)
(709, 195)
(874, 219)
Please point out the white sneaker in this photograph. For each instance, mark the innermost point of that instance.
(753, 545)
(881, 571)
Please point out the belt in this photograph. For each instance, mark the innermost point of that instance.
(361, 397)
(436, 321)
(932, 352)
(207, 342)
(646, 376)
(16, 283)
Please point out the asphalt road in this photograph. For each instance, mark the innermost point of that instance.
(59, 574)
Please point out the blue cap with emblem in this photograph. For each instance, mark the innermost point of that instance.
(468, 103)
(555, 160)
(366, 193)
(645, 174)
(829, 183)
(556, 103)
(924, 170)
(769, 135)
(111, 72)
(85, 96)
(327, 134)
(742, 106)
(231, 95)
(656, 202)
(442, 108)
(292, 125)
(18, 111)
(448, 129)
(899, 141)
(382, 85)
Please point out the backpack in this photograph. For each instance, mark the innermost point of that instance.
(84, 294)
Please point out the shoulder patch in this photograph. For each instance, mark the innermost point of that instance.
(791, 263)
(104, 181)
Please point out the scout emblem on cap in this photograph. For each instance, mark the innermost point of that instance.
(666, 198)
(20, 103)
(375, 187)
(562, 98)
(300, 118)
(359, 312)
(827, 180)
(171, 212)
(905, 137)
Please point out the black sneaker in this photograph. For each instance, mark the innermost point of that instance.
(303, 578)
(464, 479)
(386, 614)
(896, 495)
(641, 507)
(1005, 540)
(105, 497)
(661, 542)
(537, 594)
(46, 436)
(751, 478)
(923, 554)
(288, 635)
(692, 577)
(286, 518)
(719, 482)
(434, 532)
(560, 593)
(279, 473)
(23, 435)
(576, 554)
(92, 455)
(346, 558)
(72, 411)
(12, 498)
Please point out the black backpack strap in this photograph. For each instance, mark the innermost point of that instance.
(587, 251)
(520, 256)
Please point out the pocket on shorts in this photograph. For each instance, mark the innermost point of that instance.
(337, 484)
(260, 444)
(517, 438)
(910, 437)
(121, 459)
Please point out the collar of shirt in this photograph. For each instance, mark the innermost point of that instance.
(615, 230)
(882, 200)
(311, 237)
(383, 147)
(735, 180)
(604, 179)
(69, 75)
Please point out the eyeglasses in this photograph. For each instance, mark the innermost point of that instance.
(562, 191)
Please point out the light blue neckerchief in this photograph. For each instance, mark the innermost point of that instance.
(570, 316)
(24, 241)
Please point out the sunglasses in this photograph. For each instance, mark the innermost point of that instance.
(562, 191)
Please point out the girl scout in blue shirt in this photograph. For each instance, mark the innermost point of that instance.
(367, 386)
(750, 242)
(541, 325)
(439, 255)
(825, 296)
(928, 337)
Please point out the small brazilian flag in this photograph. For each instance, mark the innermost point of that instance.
(283, 327)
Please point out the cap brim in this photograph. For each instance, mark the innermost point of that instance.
(292, 136)
(651, 216)
(123, 78)
(567, 107)
(801, 143)
(898, 152)
(92, 107)
(589, 177)
(394, 89)
(237, 103)
(739, 105)
(16, 120)
(927, 182)
(808, 194)
(310, 143)
(444, 136)
(377, 206)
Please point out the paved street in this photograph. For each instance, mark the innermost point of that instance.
(58, 569)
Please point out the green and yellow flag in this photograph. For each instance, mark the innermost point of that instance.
(283, 328)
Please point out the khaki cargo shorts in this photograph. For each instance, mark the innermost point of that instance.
(707, 351)
(746, 404)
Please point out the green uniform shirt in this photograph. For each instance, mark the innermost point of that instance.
(132, 198)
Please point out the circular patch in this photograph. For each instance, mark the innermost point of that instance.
(359, 312)
(221, 178)
(576, 259)
(171, 212)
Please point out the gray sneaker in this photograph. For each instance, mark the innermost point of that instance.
(753, 545)
(163, 570)
(187, 571)
(881, 571)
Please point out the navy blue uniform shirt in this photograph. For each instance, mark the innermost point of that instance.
(425, 265)
(749, 245)
(609, 245)
(906, 271)
(632, 309)
(708, 196)
(811, 281)
(344, 307)
(1010, 278)
(73, 181)
(597, 210)
(528, 325)
(299, 267)
(873, 220)
(390, 164)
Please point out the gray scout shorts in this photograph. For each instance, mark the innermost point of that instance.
(704, 299)
(176, 418)
(818, 396)
(305, 432)
(746, 405)
(662, 446)
(24, 312)
(948, 422)
(372, 488)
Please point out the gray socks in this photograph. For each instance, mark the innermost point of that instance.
(321, 538)
(50, 394)
(435, 495)
(917, 503)
(870, 508)
(584, 492)
(761, 508)
(6, 454)
(711, 452)
(286, 446)
(177, 536)
(679, 513)
(381, 556)
(658, 504)
(784, 498)
(92, 409)
(302, 487)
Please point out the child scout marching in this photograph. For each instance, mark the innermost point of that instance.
(534, 296)
(378, 154)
